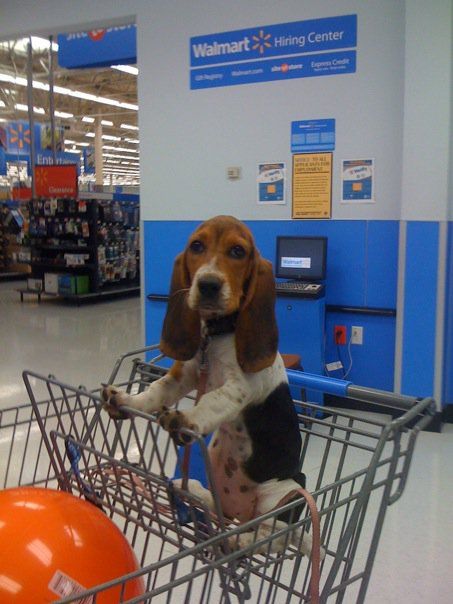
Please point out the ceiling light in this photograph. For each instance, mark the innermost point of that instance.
(4, 77)
(126, 68)
(106, 123)
(112, 148)
(21, 107)
(85, 118)
(63, 114)
(116, 155)
(129, 126)
(90, 134)
(109, 137)
(135, 141)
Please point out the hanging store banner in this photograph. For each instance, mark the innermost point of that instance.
(274, 52)
(18, 137)
(99, 47)
(56, 181)
(88, 160)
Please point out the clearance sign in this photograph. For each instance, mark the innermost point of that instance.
(56, 181)
(274, 52)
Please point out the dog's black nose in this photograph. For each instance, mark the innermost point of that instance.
(209, 287)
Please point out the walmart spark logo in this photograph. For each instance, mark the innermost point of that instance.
(19, 136)
(261, 42)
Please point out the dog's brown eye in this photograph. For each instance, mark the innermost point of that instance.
(237, 251)
(197, 247)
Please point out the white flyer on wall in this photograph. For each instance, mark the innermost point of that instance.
(357, 176)
(271, 183)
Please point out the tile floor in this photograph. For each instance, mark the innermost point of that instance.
(414, 563)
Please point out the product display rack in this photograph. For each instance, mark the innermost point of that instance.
(14, 253)
(90, 245)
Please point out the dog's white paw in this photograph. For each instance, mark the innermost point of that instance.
(113, 399)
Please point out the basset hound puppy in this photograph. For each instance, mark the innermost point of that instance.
(223, 288)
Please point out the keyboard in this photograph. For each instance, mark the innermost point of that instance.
(299, 288)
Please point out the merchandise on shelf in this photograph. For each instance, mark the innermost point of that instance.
(95, 239)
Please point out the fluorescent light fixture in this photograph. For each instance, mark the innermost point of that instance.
(115, 155)
(106, 123)
(19, 81)
(90, 134)
(37, 44)
(126, 68)
(87, 119)
(128, 127)
(135, 141)
(21, 107)
(109, 137)
(112, 148)
(63, 114)
(82, 144)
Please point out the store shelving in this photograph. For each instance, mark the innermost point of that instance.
(96, 238)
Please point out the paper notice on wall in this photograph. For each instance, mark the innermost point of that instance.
(312, 185)
(271, 181)
(357, 177)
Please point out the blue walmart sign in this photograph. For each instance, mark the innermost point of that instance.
(274, 52)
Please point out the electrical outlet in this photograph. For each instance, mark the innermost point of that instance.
(339, 334)
(356, 335)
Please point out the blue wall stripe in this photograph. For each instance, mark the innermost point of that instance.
(420, 299)
(361, 270)
(361, 259)
(448, 358)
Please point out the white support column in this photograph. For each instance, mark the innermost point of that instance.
(98, 162)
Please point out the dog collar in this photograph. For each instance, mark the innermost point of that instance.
(221, 325)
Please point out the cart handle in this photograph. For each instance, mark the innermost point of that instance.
(345, 388)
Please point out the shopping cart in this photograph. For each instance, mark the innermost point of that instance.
(356, 465)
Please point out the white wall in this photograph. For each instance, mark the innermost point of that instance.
(188, 138)
(427, 110)
(192, 136)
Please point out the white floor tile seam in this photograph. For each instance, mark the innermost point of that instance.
(81, 344)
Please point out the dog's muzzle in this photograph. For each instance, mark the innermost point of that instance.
(209, 288)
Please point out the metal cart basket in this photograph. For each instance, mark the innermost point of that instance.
(356, 465)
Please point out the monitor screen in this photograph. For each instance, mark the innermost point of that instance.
(301, 258)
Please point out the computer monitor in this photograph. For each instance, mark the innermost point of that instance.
(302, 258)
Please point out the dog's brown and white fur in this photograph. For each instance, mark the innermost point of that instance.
(220, 279)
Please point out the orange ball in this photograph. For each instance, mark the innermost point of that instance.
(53, 544)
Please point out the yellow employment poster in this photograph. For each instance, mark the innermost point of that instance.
(312, 185)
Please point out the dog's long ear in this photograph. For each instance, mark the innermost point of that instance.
(256, 327)
(180, 337)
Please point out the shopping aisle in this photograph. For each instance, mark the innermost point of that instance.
(78, 345)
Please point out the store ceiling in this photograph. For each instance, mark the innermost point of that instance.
(110, 87)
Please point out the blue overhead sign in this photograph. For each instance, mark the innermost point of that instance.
(288, 50)
(98, 47)
(308, 136)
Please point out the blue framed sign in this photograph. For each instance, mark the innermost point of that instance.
(312, 135)
(288, 50)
